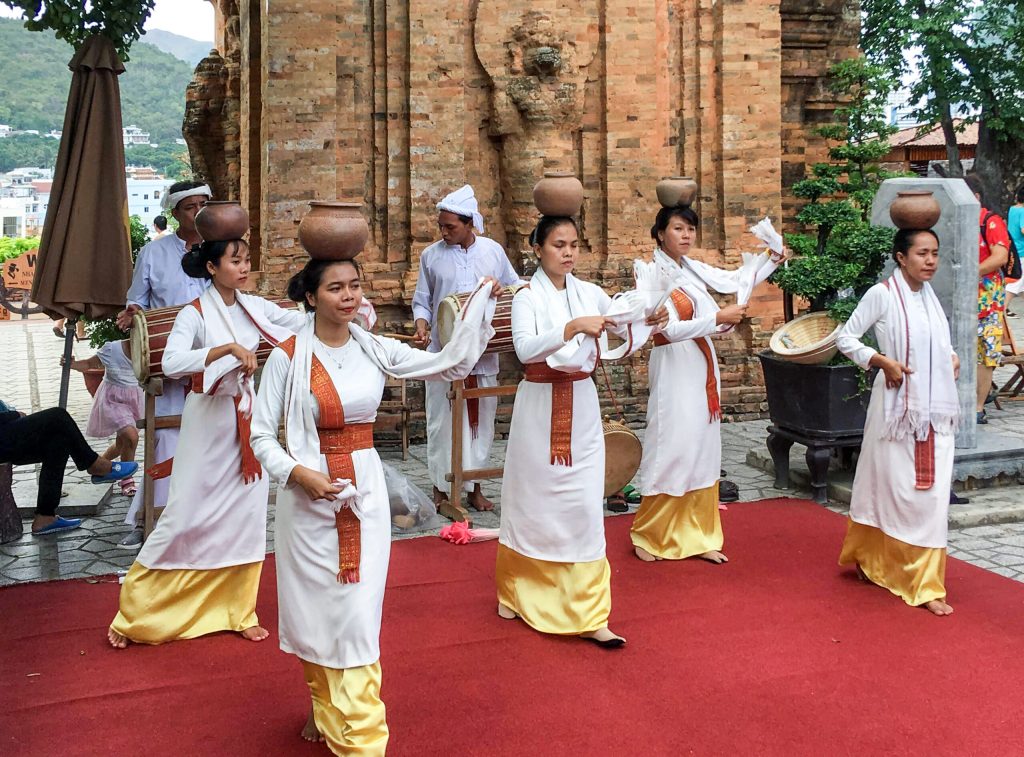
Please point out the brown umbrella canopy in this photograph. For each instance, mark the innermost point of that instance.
(85, 264)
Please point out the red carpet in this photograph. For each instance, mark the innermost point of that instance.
(778, 652)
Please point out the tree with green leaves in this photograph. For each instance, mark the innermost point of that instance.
(968, 59)
(120, 21)
(844, 255)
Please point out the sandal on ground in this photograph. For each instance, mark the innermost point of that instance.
(617, 503)
(128, 487)
(728, 491)
(632, 494)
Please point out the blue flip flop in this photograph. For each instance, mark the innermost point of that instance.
(118, 471)
(61, 524)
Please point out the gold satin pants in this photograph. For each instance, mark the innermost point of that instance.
(164, 605)
(555, 597)
(347, 708)
(675, 528)
(915, 574)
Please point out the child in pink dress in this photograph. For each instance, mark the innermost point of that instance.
(117, 406)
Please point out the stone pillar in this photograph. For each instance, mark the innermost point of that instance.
(956, 282)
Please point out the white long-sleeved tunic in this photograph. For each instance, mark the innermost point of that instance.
(213, 519)
(553, 512)
(883, 486)
(321, 620)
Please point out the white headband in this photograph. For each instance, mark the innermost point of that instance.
(462, 202)
(171, 199)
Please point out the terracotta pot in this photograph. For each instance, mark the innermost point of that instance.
(220, 221)
(676, 191)
(93, 378)
(559, 193)
(334, 230)
(915, 210)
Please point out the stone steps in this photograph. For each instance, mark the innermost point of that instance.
(993, 501)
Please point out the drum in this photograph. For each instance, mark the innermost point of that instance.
(450, 309)
(622, 452)
(150, 329)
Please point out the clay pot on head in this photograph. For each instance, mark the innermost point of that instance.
(559, 193)
(676, 191)
(334, 230)
(915, 210)
(220, 221)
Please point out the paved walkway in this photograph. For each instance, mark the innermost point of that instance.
(30, 379)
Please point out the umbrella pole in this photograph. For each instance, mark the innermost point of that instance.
(65, 375)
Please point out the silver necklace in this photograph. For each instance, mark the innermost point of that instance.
(330, 355)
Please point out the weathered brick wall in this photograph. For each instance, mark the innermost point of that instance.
(397, 102)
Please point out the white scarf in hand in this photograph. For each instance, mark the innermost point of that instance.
(627, 309)
(694, 280)
(927, 397)
(220, 330)
(469, 338)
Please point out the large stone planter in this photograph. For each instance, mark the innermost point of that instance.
(818, 406)
(814, 400)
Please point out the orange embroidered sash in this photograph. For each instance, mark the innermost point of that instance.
(684, 309)
(561, 407)
(250, 466)
(337, 443)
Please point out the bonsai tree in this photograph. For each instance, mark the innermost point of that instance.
(841, 254)
(105, 330)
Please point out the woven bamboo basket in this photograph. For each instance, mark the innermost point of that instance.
(809, 339)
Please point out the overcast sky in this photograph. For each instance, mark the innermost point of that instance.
(189, 18)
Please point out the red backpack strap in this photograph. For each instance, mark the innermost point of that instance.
(197, 305)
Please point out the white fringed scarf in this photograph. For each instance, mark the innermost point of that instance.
(927, 397)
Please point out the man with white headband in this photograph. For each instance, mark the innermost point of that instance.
(451, 266)
(160, 282)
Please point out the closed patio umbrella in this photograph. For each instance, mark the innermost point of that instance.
(84, 265)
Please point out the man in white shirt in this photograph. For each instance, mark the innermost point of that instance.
(454, 265)
(160, 282)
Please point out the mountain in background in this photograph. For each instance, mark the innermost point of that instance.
(184, 48)
(35, 82)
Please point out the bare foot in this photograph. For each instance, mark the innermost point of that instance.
(478, 501)
(506, 612)
(938, 607)
(309, 731)
(439, 496)
(605, 637)
(644, 555)
(117, 641)
(714, 556)
(255, 633)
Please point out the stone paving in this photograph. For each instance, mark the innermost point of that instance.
(29, 378)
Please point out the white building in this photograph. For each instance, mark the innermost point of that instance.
(144, 197)
(5, 130)
(26, 175)
(133, 135)
(13, 216)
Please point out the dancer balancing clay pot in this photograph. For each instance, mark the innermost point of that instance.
(559, 193)
(915, 210)
(676, 191)
(221, 221)
(334, 230)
